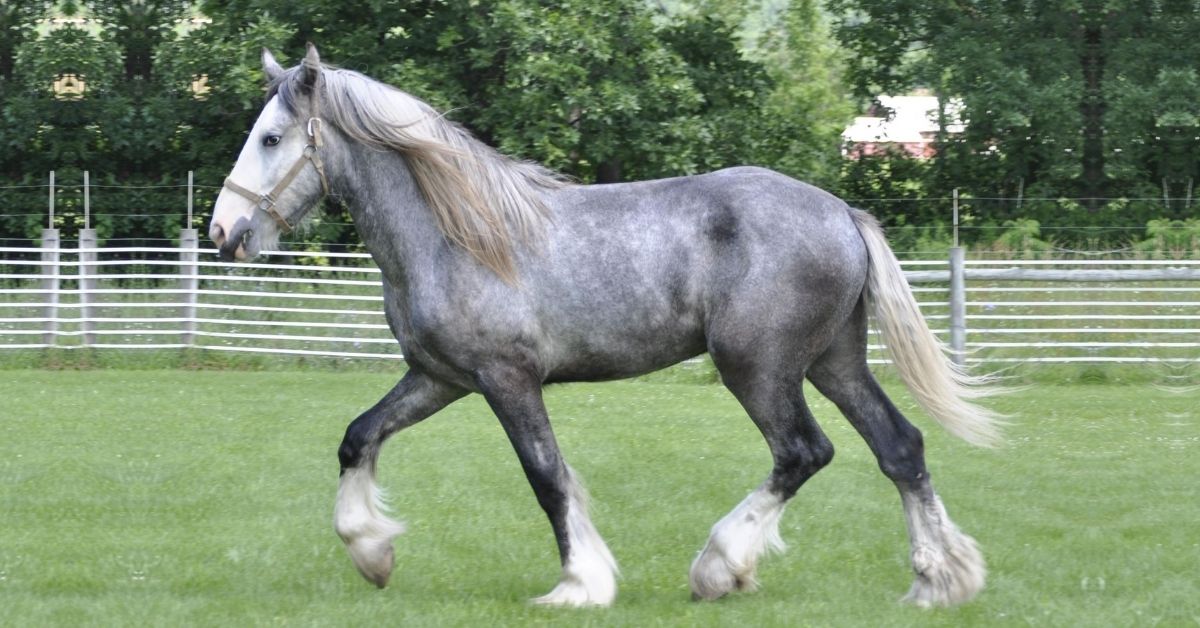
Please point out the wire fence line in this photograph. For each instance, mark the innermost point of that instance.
(1085, 311)
(56, 186)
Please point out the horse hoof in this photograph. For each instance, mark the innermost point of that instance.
(374, 559)
(949, 576)
(359, 519)
(572, 596)
(576, 592)
(712, 578)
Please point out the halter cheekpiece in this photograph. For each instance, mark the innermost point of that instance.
(266, 202)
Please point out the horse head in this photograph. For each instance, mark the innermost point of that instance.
(279, 175)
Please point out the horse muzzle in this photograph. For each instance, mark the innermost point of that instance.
(236, 243)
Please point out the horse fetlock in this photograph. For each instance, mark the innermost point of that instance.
(926, 559)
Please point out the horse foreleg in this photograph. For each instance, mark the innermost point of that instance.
(588, 568)
(359, 514)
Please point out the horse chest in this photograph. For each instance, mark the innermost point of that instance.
(453, 340)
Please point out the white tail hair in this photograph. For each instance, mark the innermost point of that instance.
(941, 387)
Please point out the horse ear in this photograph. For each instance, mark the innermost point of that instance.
(312, 66)
(271, 67)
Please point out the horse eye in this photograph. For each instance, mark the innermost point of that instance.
(270, 140)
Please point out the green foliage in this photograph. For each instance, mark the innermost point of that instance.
(1153, 99)
(603, 90)
(1170, 239)
(1063, 99)
(1023, 237)
(807, 107)
(100, 126)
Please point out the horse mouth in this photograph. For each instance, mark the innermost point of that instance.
(236, 255)
(236, 246)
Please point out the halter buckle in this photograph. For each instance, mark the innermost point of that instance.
(313, 129)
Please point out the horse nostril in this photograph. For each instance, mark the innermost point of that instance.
(217, 235)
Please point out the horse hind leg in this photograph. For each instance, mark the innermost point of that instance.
(775, 402)
(947, 564)
(360, 517)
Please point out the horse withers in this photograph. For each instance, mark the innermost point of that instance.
(500, 276)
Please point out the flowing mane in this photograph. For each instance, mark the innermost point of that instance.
(483, 201)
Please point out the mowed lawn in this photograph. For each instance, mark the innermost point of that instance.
(205, 498)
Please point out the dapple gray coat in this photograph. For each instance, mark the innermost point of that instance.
(499, 277)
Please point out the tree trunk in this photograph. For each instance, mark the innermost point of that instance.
(608, 171)
(1092, 108)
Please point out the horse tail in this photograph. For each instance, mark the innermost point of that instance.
(942, 388)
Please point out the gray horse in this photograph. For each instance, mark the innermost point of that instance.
(500, 276)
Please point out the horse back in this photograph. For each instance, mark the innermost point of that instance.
(636, 275)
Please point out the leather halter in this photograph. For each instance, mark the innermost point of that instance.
(266, 202)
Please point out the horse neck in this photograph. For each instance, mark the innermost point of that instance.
(391, 214)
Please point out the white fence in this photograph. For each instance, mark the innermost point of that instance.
(329, 304)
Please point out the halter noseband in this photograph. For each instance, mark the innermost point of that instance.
(266, 202)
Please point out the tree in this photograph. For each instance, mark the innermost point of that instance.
(1058, 96)
(17, 25)
(1152, 95)
(82, 96)
(60, 89)
(797, 128)
(602, 90)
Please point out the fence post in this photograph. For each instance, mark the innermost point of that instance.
(191, 198)
(50, 283)
(958, 306)
(958, 296)
(87, 284)
(189, 271)
(87, 267)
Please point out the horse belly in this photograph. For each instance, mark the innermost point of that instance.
(618, 352)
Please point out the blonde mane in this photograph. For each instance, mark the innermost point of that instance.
(483, 201)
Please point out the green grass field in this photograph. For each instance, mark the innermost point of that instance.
(204, 498)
